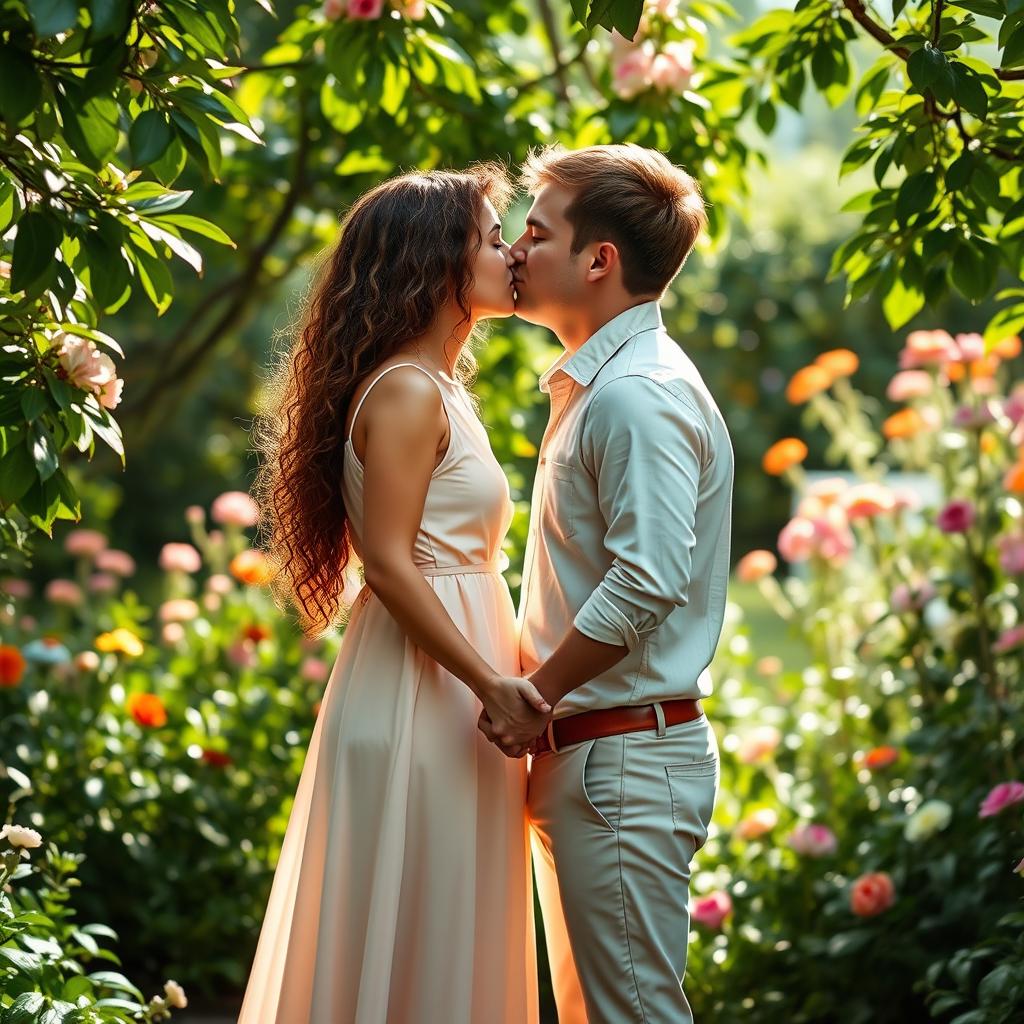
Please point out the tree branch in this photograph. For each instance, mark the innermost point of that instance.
(551, 30)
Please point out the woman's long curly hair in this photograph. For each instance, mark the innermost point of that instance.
(406, 251)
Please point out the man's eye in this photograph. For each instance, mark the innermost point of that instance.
(536, 238)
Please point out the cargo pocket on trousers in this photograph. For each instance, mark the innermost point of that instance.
(692, 787)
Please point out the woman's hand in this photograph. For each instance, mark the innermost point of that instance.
(514, 714)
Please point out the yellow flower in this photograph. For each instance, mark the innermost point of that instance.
(120, 641)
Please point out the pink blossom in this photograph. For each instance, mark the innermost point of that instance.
(314, 670)
(243, 654)
(1009, 640)
(927, 348)
(712, 910)
(414, 10)
(172, 633)
(906, 498)
(195, 515)
(811, 840)
(757, 823)
(1006, 794)
(218, 583)
(115, 561)
(365, 10)
(14, 587)
(826, 535)
(969, 417)
(181, 609)
(85, 365)
(867, 500)
(110, 393)
(1011, 553)
(755, 565)
(909, 384)
(87, 661)
(672, 69)
(957, 517)
(872, 894)
(84, 543)
(235, 508)
(334, 9)
(180, 558)
(907, 598)
(969, 347)
(102, 583)
(212, 602)
(796, 541)
(63, 592)
(759, 744)
(632, 72)
(1013, 407)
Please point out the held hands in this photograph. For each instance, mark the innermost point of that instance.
(514, 714)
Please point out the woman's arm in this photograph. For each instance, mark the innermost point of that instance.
(404, 424)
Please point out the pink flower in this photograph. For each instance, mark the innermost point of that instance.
(218, 583)
(102, 583)
(180, 609)
(110, 393)
(1006, 794)
(212, 602)
(712, 910)
(84, 543)
(632, 71)
(365, 10)
(957, 517)
(1013, 407)
(414, 10)
(759, 744)
(1011, 553)
(872, 894)
(195, 515)
(796, 541)
(63, 592)
(87, 661)
(755, 565)
(14, 587)
(118, 562)
(180, 558)
(757, 823)
(927, 348)
(672, 69)
(911, 598)
(334, 9)
(235, 508)
(969, 347)
(969, 417)
(314, 670)
(909, 384)
(172, 633)
(1009, 640)
(243, 654)
(810, 840)
(86, 367)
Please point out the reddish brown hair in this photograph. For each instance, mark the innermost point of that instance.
(635, 197)
(406, 251)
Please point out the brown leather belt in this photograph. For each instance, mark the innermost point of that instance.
(590, 725)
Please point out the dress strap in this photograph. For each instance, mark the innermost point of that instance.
(388, 369)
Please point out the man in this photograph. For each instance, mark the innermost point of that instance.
(624, 586)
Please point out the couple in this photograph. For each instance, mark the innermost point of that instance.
(403, 894)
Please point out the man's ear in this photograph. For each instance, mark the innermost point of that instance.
(603, 260)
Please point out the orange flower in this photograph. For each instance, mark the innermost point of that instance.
(955, 372)
(806, 383)
(755, 565)
(147, 709)
(880, 757)
(839, 362)
(1007, 348)
(872, 894)
(985, 367)
(790, 451)
(904, 423)
(1014, 479)
(251, 567)
(255, 632)
(12, 665)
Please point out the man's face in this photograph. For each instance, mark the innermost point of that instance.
(549, 279)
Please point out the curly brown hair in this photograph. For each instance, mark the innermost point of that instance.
(406, 250)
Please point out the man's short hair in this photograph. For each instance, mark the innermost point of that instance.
(634, 197)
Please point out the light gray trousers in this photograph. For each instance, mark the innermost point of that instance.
(616, 822)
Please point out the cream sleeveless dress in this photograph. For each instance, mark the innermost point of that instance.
(403, 892)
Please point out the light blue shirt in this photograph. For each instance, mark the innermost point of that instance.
(631, 517)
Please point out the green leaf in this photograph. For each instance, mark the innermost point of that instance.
(34, 403)
(926, 66)
(1013, 52)
(24, 1009)
(109, 17)
(90, 125)
(960, 170)
(901, 304)
(34, 248)
(20, 85)
(149, 137)
(916, 195)
(52, 16)
(201, 227)
(42, 450)
(969, 92)
(971, 272)
(17, 474)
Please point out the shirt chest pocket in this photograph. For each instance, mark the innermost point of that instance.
(562, 498)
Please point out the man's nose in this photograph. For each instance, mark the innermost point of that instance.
(517, 251)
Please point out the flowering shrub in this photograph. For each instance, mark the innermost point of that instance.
(868, 842)
(164, 741)
(45, 955)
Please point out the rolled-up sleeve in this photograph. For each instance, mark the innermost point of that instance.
(645, 448)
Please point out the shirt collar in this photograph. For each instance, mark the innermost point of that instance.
(583, 365)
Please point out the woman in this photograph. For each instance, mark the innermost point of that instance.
(403, 891)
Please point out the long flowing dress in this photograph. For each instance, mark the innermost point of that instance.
(403, 892)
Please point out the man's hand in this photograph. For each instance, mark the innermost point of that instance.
(514, 714)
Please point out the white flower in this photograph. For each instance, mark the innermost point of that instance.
(931, 817)
(18, 835)
(175, 995)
